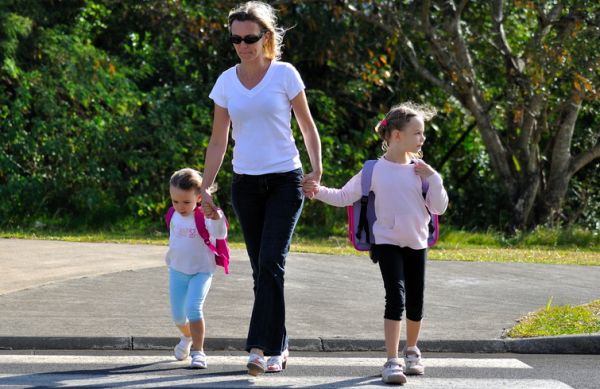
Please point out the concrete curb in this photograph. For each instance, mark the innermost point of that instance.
(565, 344)
(568, 344)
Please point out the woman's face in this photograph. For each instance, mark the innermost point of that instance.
(248, 30)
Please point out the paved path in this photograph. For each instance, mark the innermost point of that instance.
(115, 296)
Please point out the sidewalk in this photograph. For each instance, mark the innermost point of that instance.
(114, 296)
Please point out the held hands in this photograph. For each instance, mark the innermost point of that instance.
(209, 209)
(310, 184)
(422, 169)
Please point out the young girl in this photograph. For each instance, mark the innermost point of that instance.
(400, 230)
(191, 264)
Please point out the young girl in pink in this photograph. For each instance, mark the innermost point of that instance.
(400, 230)
(191, 264)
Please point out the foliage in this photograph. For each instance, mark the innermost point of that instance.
(100, 101)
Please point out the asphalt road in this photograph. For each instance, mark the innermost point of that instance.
(20, 369)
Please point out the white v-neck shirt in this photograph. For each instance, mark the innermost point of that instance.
(261, 119)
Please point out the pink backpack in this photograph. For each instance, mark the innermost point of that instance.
(221, 249)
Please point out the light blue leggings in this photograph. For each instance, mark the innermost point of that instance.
(187, 294)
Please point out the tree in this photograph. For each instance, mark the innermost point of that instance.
(522, 72)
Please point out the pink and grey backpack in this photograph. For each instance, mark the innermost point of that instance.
(361, 214)
(220, 249)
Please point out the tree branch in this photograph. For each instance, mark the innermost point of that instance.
(582, 160)
(561, 151)
(546, 23)
(512, 62)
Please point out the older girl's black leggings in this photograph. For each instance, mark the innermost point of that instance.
(403, 272)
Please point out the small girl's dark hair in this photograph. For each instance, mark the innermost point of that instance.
(399, 116)
(188, 179)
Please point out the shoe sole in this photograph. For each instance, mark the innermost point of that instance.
(414, 371)
(198, 366)
(395, 379)
(254, 369)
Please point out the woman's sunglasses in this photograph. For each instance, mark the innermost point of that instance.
(248, 39)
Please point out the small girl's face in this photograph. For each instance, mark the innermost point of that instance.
(184, 201)
(412, 137)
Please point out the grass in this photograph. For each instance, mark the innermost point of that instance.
(565, 247)
(559, 320)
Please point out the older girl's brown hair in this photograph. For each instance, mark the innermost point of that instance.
(399, 116)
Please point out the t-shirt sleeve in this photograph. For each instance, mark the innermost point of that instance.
(293, 82)
(217, 229)
(217, 94)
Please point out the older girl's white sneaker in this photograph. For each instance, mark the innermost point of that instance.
(393, 372)
(413, 363)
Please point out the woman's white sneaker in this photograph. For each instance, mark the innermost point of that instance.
(392, 372)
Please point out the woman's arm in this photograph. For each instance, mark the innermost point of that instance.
(310, 135)
(215, 153)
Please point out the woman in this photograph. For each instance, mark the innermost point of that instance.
(257, 97)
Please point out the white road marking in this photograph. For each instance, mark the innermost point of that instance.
(145, 380)
(488, 363)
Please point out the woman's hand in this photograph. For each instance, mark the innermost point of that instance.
(310, 184)
(209, 209)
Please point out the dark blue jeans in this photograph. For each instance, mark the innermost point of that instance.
(268, 207)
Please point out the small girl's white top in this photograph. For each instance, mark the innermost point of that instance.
(400, 208)
(187, 251)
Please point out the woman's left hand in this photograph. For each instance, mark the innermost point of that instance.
(314, 178)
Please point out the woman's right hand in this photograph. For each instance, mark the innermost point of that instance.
(209, 209)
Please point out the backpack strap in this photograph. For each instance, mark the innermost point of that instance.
(424, 187)
(424, 183)
(365, 185)
(202, 231)
(168, 217)
(434, 219)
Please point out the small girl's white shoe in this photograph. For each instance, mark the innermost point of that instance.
(182, 349)
(198, 360)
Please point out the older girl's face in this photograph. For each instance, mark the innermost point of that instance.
(248, 30)
(413, 135)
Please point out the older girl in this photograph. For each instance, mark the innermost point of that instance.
(400, 230)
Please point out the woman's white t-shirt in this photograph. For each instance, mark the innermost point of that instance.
(261, 118)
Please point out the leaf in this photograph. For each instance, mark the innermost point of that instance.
(516, 163)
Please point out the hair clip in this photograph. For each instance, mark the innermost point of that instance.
(384, 123)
